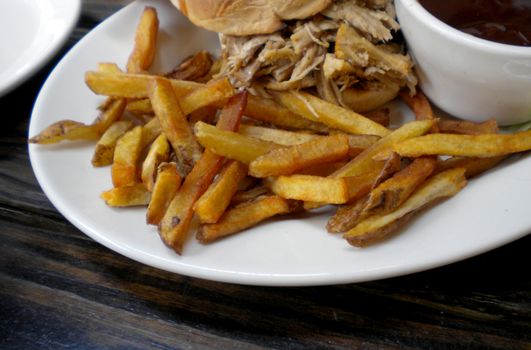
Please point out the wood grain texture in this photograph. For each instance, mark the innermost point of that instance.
(59, 289)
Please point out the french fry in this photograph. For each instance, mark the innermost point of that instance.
(377, 227)
(378, 173)
(145, 42)
(175, 224)
(127, 196)
(108, 67)
(212, 204)
(157, 154)
(324, 190)
(381, 116)
(166, 186)
(66, 130)
(140, 106)
(231, 145)
(104, 150)
(359, 143)
(175, 125)
(348, 215)
(192, 68)
(214, 92)
(323, 170)
(473, 166)
(129, 85)
(368, 99)
(318, 110)
(466, 127)
(249, 195)
(393, 192)
(243, 216)
(285, 161)
(136, 86)
(278, 136)
(150, 131)
(268, 110)
(124, 170)
(205, 114)
(111, 114)
(419, 104)
(483, 146)
(364, 162)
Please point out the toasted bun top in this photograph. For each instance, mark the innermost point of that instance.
(247, 17)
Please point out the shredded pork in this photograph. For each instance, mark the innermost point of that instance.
(310, 53)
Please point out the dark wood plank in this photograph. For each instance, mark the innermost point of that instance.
(59, 289)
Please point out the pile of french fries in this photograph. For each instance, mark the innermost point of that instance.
(184, 144)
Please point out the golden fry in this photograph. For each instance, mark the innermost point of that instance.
(483, 146)
(346, 216)
(381, 116)
(157, 154)
(140, 106)
(111, 114)
(278, 136)
(421, 107)
(466, 127)
(212, 204)
(231, 144)
(368, 99)
(271, 112)
(317, 110)
(323, 170)
(124, 170)
(214, 92)
(175, 125)
(393, 192)
(192, 68)
(377, 227)
(249, 195)
(107, 67)
(473, 166)
(317, 189)
(127, 196)
(66, 130)
(145, 42)
(150, 131)
(166, 186)
(104, 150)
(243, 216)
(364, 162)
(285, 161)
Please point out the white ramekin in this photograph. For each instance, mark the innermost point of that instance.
(467, 77)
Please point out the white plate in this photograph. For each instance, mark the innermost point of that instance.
(31, 32)
(491, 211)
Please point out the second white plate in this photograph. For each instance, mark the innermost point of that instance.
(31, 32)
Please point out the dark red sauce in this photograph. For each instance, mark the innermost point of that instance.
(503, 21)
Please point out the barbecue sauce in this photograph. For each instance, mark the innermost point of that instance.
(503, 21)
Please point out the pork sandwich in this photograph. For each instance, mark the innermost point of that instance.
(339, 49)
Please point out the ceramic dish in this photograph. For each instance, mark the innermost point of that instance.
(289, 251)
(31, 32)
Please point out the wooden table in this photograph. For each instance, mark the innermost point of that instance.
(59, 289)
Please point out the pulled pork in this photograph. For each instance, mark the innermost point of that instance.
(347, 45)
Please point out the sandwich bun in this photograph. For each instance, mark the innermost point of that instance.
(247, 17)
